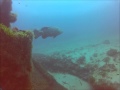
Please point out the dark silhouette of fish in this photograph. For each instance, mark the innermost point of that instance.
(47, 32)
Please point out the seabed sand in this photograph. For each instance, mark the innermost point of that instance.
(71, 82)
(77, 48)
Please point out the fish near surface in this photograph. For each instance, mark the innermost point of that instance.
(47, 32)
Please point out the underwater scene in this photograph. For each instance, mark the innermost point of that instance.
(60, 44)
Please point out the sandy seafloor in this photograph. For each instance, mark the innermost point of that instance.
(71, 82)
(76, 48)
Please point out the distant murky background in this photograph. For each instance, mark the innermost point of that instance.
(80, 21)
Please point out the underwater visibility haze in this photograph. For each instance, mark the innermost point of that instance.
(81, 21)
(88, 46)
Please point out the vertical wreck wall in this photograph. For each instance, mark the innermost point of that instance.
(6, 17)
(15, 52)
(6, 7)
(15, 56)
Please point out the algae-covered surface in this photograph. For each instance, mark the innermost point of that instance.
(9, 32)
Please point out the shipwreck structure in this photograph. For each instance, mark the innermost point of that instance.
(17, 70)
